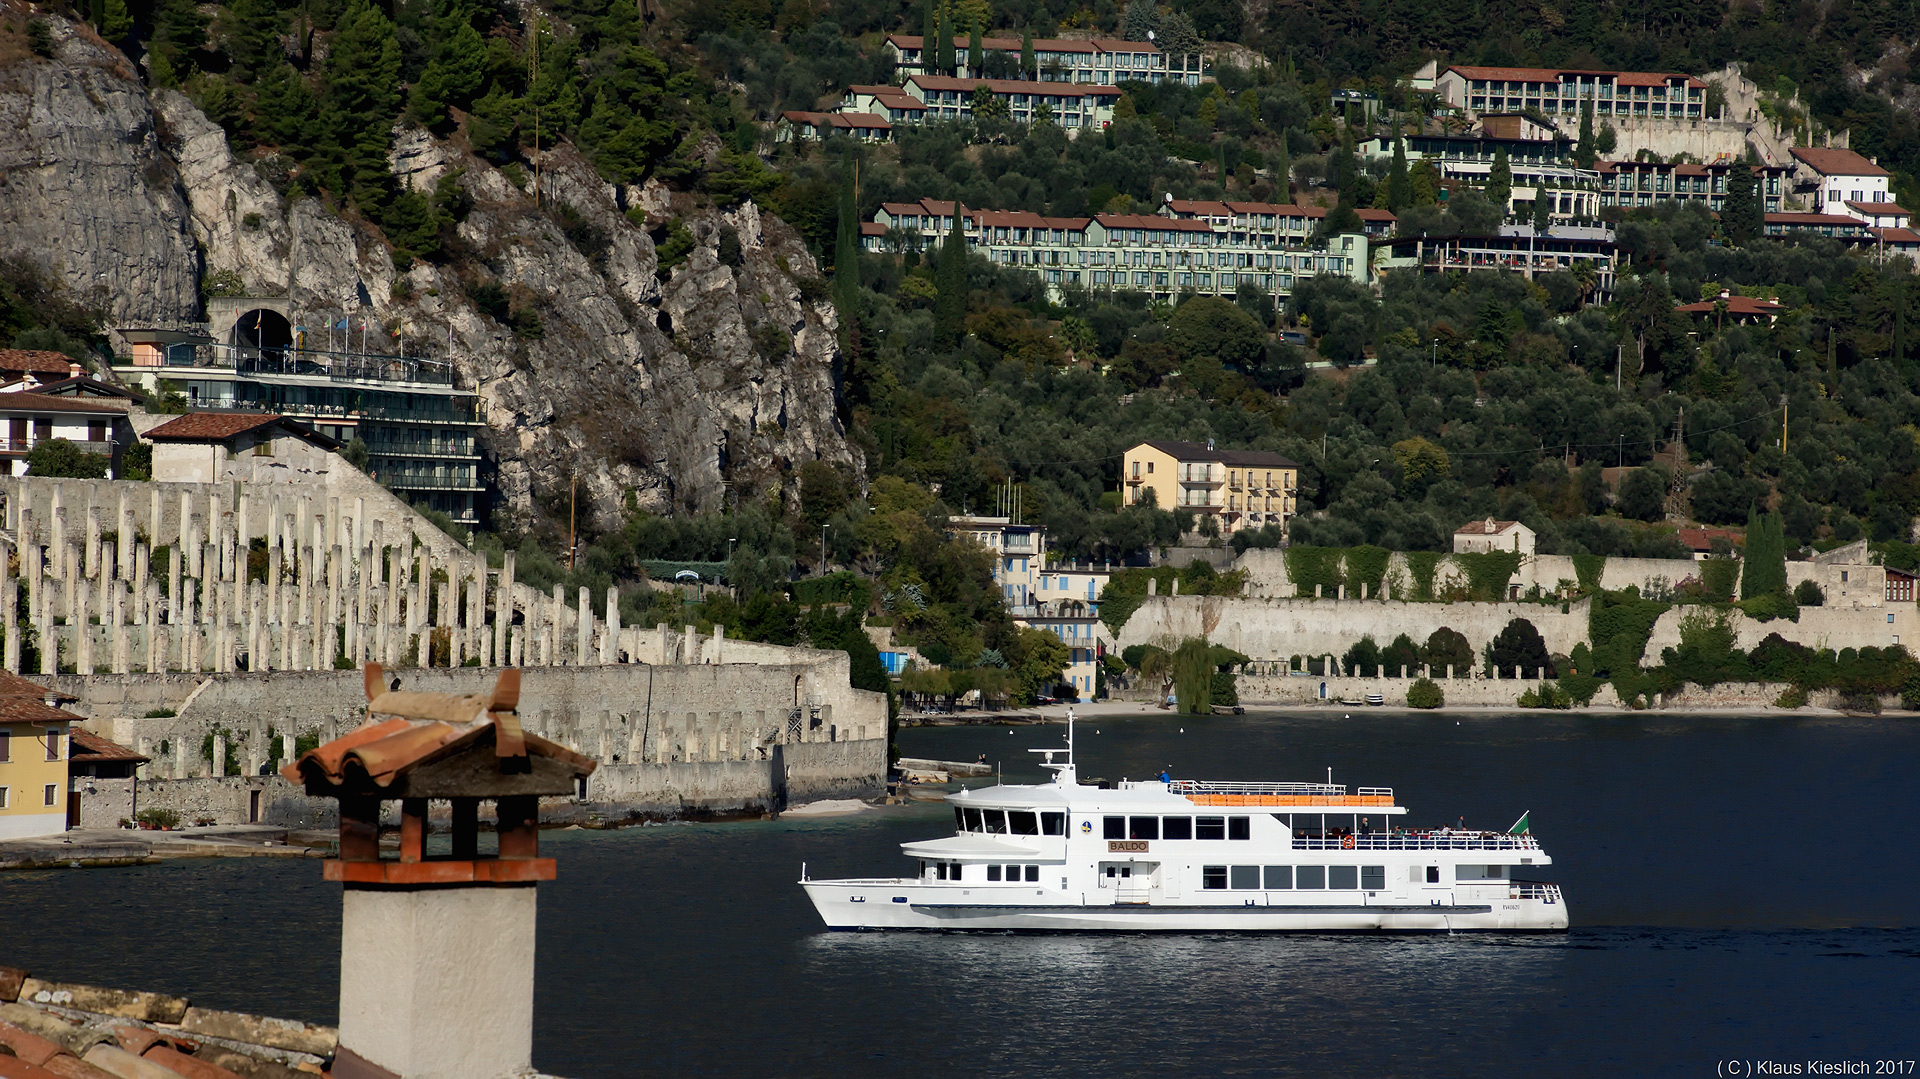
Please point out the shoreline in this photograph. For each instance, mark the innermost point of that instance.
(1054, 713)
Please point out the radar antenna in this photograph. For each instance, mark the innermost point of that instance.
(1063, 773)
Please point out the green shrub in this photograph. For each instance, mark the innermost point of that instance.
(1770, 606)
(1224, 691)
(1859, 702)
(1808, 594)
(1580, 687)
(1910, 694)
(160, 713)
(1795, 697)
(1589, 568)
(1488, 572)
(1425, 694)
(1547, 696)
(1422, 566)
(158, 818)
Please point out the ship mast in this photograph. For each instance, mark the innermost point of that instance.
(1063, 773)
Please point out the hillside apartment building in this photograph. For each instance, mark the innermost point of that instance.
(1265, 245)
(923, 98)
(1058, 598)
(1560, 92)
(1237, 488)
(1099, 61)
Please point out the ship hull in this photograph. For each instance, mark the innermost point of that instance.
(907, 904)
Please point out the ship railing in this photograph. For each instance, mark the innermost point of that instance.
(1207, 786)
(1418, 841)
(1546, 893)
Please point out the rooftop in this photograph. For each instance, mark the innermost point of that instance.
(220, 426)
(1200, 451)
(1828, 161)
(1555, 74)
(1736, 305)
(1486, 527)
(22, 701)
(1014, 86)
(38, 361)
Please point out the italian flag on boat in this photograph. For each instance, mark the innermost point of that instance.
(1522, 826)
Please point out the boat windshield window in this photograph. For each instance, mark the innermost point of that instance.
(1310, 876)
(973, 820)
(1143, 828)
(1343, 876)
(1239, 828)
(1053, 824)
(959, 819)
(1176, 828)
(1022, 822)
(996, 821)
(1209, 827)
(1279, 878)
(1113, 827)
(1245, 878)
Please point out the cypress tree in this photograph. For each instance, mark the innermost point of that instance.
(1399, 181)
(1500, 182)
(1542, 212)
(950, 279)
(1764, 568)
(930, 38)
(1283, 170)
(846, 268)
(976, 51)
(1027, 69)
(1737, 210)
(947, 60)
(1584, 154)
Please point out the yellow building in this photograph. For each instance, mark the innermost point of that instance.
(1239, 488)
(33, 759)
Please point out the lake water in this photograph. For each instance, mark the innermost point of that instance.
(1741, 890)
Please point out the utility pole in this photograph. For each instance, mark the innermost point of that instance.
(1783, 425)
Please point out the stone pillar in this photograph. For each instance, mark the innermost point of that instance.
(518, 640)
(93, 543)
(1363, 589)
(287, 743)
(10, 596)
(718, 644)
(49, 646)
(179, 757)
(142, 568)
(123, 535)
(1316, 591)
(503, 610)
(219, 754)
(359, 524)
(690, 646)
(558, 616)
(610, 636)
(583, 631)
(1449, 672)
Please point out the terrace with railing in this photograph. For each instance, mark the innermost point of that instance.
(1438, 840)
(293, 361)
(1211, 793)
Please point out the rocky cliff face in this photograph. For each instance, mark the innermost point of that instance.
(691, 392)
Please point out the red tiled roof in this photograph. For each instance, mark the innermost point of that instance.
(1813, 219)
(1013, 86)
(1040, 44)
(87, 746)
(1881, 208)
(1897, 236)
(1369, 213)
(22, 701)
(872, 228)
(1484, 528)
(1736, 305)
(1199, 207)
(1278, 209)
(1552, 74)
(211, 426)
(1199, 451)
(39, 361)
(1829, 161)
(29, 401)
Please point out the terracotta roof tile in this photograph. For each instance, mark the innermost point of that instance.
(39, 361)
(1199, 451)
(88, 746)
(1484, 528)
(211, 426)
(22, 701)
(1014, 86)
(28, 401)
(1829, 161)
(1736, 305)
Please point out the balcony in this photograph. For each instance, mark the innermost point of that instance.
(1418, 841)
(25, 445)
(319, 365)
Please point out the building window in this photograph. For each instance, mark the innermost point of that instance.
(6, 746)
(53, 794)
(53, 744)
(263, 448)
(3, 797)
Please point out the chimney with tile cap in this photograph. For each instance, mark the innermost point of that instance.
(436, 951)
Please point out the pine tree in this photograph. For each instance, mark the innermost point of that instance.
(458, 67)
(114, 22)
(1399, 181)
(1737, 209)
(1584, 154)
(360, 99)
(178, 30)
(250, 37)
(976, 51)
(1500, 182)
(950, 279)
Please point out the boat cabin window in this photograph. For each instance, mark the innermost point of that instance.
(1176, 828)
(1209, 827)
(993, 872)
(1433, 874)
(1053, 824)
(1143, 828)
(1307, 825)
(946, 870)
(959, 819)
(1345, 877)
(1373, 878)
(1244, 878)
(1479, 872)
(1239, 828)
(1124, 871)
(1033, 874)
(1310, 876)
(1113, 827)
(1022, 822)
(1279, 878)
(1213, 878)
(996, 821)
(973, 820)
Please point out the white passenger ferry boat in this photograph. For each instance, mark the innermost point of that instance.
(1192, 856)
